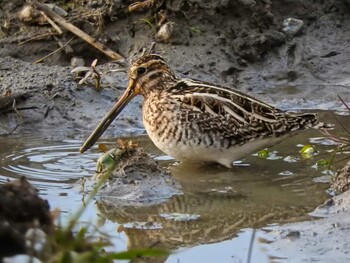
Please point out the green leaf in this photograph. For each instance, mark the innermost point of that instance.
(195, 29)
(82, 232)
(134, 253)
(147, 21)
(308, 151)
(263, 154)
(323, 163)
(66, 257)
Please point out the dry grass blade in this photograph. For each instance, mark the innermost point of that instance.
(340, 123)
(53, 52)
(346, 106)
(140, 5)
(80, 69)
(91, 72)
(38, 37)
(344, 140)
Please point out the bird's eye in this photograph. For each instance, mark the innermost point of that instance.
(141, 70)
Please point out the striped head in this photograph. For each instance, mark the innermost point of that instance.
(149, 73)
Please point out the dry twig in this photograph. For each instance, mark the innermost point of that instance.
(63, 22)
(53, 52)
(38, 37)
(52, 23)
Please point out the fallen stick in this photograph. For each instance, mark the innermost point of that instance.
(63, 22)
(52, 23)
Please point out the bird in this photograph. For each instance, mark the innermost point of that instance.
(200, 122)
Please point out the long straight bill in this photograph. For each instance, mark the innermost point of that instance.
(109, 118)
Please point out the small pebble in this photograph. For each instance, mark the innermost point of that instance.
(286, 173)
(77, 62)
(292, 26)
(165, 32)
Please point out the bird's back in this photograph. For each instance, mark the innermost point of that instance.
(233, 114)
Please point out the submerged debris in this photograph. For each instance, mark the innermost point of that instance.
(180, 216)
(308, 151)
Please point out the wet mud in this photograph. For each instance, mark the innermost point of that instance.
(134, 178)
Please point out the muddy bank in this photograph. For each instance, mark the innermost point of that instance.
(61, 103)
(325, 238)
(132, 178)
(321, 240)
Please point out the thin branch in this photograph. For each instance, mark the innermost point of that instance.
(344, 103)
(54, 52)
(20, 109)
(339, 122)
(38, 37)
(52, 23)
(63, 22)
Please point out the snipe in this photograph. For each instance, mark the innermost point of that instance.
(197, 121)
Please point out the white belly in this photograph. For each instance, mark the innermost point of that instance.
(187, 152)
(172, 135)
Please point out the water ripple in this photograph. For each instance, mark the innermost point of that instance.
(47, 166)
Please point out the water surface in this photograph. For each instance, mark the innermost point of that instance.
(224, 204)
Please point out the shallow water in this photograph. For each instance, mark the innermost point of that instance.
(224, 204)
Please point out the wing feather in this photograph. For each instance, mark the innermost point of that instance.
(232, 114)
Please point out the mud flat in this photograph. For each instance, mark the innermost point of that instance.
(322, 240)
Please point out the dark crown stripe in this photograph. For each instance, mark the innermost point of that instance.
(148, 58)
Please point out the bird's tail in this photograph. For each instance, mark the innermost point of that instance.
(323, 126)
(314, 123)
(311, 120)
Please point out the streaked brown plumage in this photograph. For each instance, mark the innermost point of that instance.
(198, 121)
